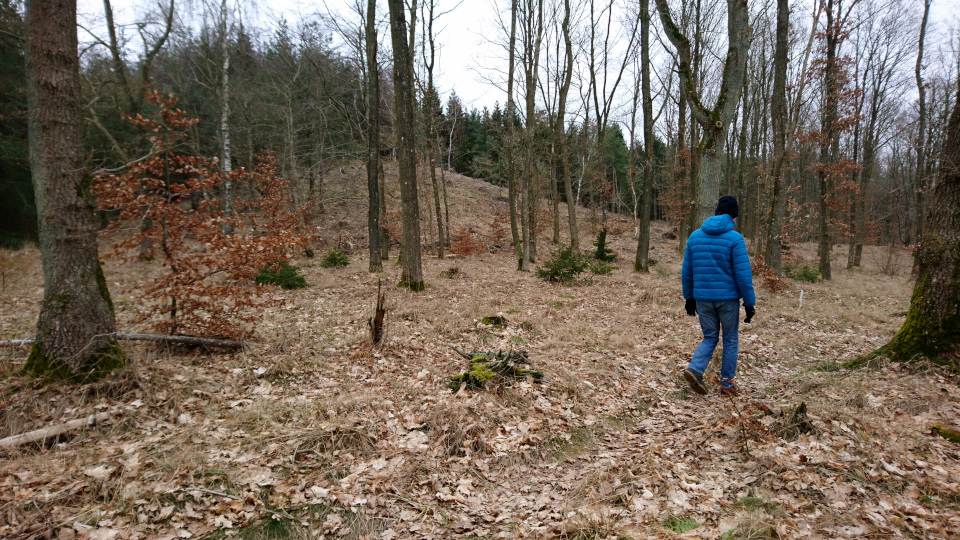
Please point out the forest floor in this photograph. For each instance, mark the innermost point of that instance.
(313, 433)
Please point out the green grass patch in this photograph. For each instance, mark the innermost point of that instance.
(827, 367)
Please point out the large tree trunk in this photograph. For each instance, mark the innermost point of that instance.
(932, 328)
(373, 139)
(778, 113)
(76, 316)
(642, 263)
(411, 275)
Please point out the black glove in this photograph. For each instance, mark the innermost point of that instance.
(751, 311)
(691, 307)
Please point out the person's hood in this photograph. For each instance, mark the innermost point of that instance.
(717, 224)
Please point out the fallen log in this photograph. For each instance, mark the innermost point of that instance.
(40, 435)
(159, 338)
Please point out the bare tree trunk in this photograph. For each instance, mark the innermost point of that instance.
(76, 316)
(714, 121)
(560, 131)
(533, 25)
(921, 128)
(384, 232)
(642, 263)
(119, 66)
(412, 273)
(511, 172)
(554, 194)
(778, 106)
(932, 328)
(225, 165)
(446, 206)
(829, 138)
(683, 162)
(373, 139)
(431, 99)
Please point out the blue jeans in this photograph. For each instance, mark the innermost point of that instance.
(713, 317)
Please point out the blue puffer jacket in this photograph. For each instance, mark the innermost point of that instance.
(715, 265)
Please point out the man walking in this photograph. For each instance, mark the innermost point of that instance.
(716, 275)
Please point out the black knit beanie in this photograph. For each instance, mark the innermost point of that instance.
(728, 205)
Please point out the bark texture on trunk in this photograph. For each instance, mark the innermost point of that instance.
(533, 24)
(431, 99)
(714, 121)
(411, 275)
(373, 139)
(921, 126)
(932, 328)
(511, 171)
(561, 131)
(76, 317)
(778, 113)
(830, 137)
(227, 164)
(642, 263)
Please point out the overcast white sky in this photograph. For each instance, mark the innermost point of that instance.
(461, 35)
(466, 57)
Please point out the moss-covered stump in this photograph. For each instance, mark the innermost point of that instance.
(496, 321)
(937, 430)
(93, 368)
(502, 367)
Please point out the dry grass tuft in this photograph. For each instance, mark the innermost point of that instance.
(457, 428)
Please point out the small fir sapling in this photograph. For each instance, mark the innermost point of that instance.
(603, 253)
(282, 274)
(335, 259)
(564, 266)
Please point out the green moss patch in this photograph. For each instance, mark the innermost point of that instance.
(93, 368)
(501, 366)
(496, 321)
(937, 430)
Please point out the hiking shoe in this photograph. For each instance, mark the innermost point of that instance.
(731, 390)
(696, 381)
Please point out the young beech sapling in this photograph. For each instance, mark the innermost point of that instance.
(169, 198)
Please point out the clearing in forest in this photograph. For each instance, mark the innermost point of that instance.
(314, 433)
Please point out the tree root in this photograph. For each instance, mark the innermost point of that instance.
(160, 338)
